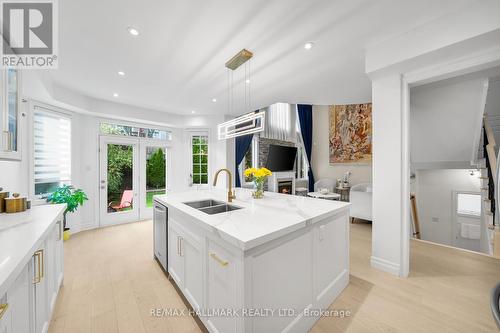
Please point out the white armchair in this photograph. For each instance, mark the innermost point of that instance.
(361, 201)
(325, 183)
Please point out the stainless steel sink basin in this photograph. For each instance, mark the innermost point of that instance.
(204, 203)
(218, 209)
(210, 206)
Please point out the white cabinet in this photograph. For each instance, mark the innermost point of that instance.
(31, 297)
(20, 300)
(185, 262)
(160, 233)
(10, 114)
(41, 309)
(221, 287)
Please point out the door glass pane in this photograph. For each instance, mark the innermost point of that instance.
(12, 107)
(156, 173)
(120, 178)
(199, 144)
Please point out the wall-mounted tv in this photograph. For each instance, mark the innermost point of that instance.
(281, 158)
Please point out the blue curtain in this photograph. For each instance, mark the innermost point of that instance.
(306, 129)
(242, 143)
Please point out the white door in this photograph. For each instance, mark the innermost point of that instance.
(119, 180)
(154, 163)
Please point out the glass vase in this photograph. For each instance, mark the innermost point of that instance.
(258, 192)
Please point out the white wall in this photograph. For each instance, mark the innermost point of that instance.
(434, 193)
(320, 152)
(445, 118)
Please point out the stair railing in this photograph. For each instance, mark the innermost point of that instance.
(491, 163)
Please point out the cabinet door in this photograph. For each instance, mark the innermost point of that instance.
(41, 313)
(331, 237)
(5, 317)
(10, 115)
(20, 301)
(222, 289)
(50, 265)
(175, 261)
(59, 254)
(193, 273)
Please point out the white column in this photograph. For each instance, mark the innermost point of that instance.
(389, 249)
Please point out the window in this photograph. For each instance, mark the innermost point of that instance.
(251, 159)
(141, 132)
(51, 151)
(469, 204)
(301, 165)
(9, 114)
(199, 158)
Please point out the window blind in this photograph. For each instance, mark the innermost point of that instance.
(52, 150)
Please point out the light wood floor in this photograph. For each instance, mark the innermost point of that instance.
(111, 283)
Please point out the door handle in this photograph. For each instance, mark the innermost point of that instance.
(38, 273)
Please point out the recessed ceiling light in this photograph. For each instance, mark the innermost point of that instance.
(193, 111)
(247, 81)
(133, 31)
(115, 95)
(308, 45)
(214, 100)
(121, 73)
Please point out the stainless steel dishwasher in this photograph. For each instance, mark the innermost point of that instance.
(160, 234)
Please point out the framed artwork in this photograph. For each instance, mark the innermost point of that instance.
(351, 133)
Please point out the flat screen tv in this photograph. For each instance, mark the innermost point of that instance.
(281, 158)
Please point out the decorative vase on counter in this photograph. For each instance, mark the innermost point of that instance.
(258, 177)
(258, 186)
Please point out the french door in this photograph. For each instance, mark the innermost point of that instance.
(132, 171)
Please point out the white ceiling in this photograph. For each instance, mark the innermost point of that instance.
(177, 62)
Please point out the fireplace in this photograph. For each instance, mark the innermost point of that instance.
(285, 186)
(282, 182)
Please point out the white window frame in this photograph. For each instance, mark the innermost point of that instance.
(133, 124)
(191, 134)
(455, 206)
(37, 199)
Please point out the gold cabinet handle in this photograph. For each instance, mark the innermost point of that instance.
(219, 260)
(38, 273)
(43, 264)
(180, 246)
(3, 309)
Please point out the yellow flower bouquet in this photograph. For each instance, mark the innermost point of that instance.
(258, 177)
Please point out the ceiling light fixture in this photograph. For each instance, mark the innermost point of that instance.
(308, 45)
(121, 73)
(115, 95)
(133, 31)
(193, 111)
(250, 121)
(214, 100)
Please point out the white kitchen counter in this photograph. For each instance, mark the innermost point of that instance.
(19, 241)
(260, 220)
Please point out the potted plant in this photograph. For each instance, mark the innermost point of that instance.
(73, 198)
(258, 177)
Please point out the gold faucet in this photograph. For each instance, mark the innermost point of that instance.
(230, 193)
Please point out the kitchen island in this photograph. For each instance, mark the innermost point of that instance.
(257, 265)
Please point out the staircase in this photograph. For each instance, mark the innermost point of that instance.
(488, 166)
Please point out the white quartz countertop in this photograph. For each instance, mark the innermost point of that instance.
(260, 220)
(19, 241)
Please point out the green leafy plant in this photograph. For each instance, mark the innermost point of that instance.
(73, 198)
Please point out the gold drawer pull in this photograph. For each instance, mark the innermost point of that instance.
(3, 309)
(40, 266)
(219, 260)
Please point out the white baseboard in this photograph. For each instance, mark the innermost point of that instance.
(385, 265)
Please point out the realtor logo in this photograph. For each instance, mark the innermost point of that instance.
(29, 34)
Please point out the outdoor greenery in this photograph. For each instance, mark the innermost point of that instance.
(200, 159)
(73, 198)
(119, 163)
(156, 170)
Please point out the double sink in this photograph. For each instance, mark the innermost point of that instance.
(211, 206)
